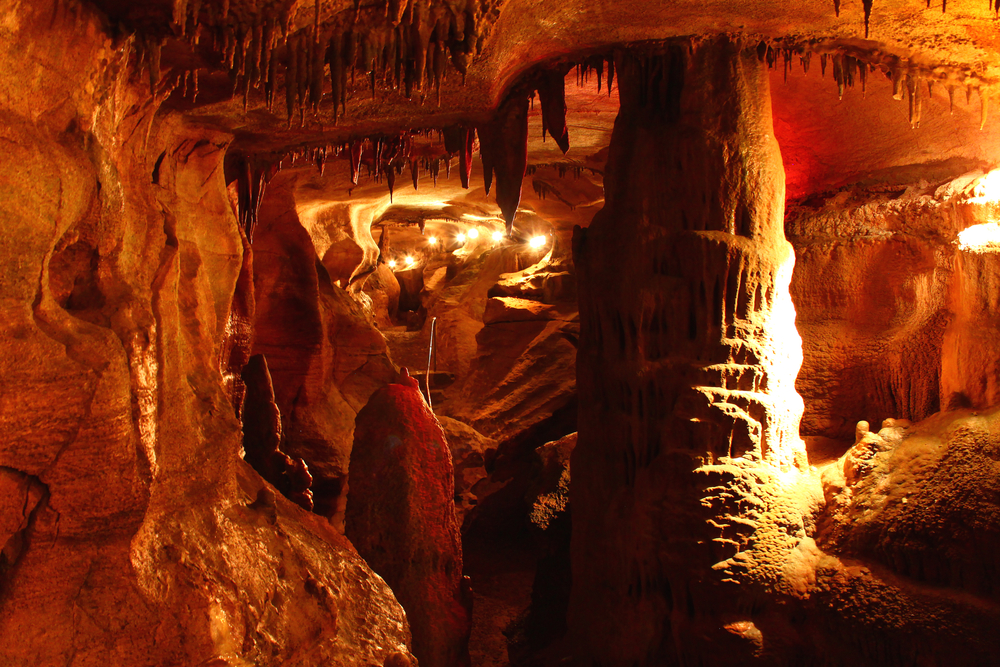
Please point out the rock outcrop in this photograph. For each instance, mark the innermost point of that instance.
(401, 518)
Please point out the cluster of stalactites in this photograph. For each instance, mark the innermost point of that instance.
(406, 47)
(502, 142)
(251, 174)
(907, 79)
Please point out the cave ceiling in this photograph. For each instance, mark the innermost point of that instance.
(859, 89)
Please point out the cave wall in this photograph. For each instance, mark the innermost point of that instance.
(324, 356)
(132, 532)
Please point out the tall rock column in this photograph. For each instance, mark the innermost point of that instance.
(687, 359)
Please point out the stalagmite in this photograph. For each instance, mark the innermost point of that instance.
(401, 518)
(503, 147)
(551, 93)
(668, 438)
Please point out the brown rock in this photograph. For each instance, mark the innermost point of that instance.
(401, 518)
(687, 360)
(469, 450)
(324, 357)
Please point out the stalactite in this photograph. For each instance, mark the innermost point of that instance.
(266, 46)
(897, 80)
(822, 64)
(291, 74)
(303, 73)
(240, 52)
(350, 51)
(194, 86)
(552, 95)
(435, 170)
(256, 48)
(983, 108)
(271, 82)
(390, 179)
(836, 7)
(915, 103)
(316, 72)
(838, 74)
(414, 173)
(419, 54)
(357, 149)
(439, 65)
(335, 54)
(503, 147)
(611, 74)
(868, 14)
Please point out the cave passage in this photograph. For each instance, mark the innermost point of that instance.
(489, 333)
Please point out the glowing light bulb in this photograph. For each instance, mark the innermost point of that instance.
(498, 236)
(392, 264)
(460, 238)
(980, 238)
(537, 241)
(473, 233)
(409, 260)
(432, 240)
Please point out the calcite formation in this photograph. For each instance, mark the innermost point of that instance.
(688, 352)
(227, 224)
(401, 518)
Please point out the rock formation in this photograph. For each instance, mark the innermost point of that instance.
(688, 354)
(198, 298)
(401, 518)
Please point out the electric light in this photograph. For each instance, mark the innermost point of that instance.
(460, 238)
(432, 240)
(392, 264)
(537, 241)
(980, 238)
(498, 236)
(987, 191)
(409, 260)
(473, 233)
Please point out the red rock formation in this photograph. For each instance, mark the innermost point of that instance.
(687, 356)
(401, 518)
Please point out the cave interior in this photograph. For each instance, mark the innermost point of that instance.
(499, 333)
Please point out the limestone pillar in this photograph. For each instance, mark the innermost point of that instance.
(688, 355)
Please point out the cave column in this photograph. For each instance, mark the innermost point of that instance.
(688, 352)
